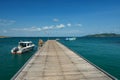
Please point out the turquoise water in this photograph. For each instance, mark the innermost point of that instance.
(103, 52)
(11, 63)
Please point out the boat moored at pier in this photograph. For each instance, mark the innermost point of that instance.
(23, 46)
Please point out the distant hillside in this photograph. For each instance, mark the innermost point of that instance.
(104, 35)
(3, 37)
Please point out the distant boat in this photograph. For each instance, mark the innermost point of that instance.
(57, 39)
(23, 46)
(71, 38)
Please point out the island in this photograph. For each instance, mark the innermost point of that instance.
(3, 37)
(104, 35)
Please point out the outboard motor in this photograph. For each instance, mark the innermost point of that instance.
(15, 49)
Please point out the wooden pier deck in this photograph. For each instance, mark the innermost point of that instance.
(54, 61)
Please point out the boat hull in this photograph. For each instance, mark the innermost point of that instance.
(22, 50)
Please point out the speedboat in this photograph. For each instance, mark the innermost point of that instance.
(23, 46)
(57, 39)
(71, 39)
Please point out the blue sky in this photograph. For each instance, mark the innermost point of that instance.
(59, 17)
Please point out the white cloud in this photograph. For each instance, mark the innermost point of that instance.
(34, 29)
(79, 25)
(51, 27)
(45, 28)
(60, 26)
(55, 20)
(68, 24)
(40, 29)
(4, 31)
(48, 27)
(27, 29)
(4, 22)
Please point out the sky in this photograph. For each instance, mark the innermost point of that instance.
(41, 18)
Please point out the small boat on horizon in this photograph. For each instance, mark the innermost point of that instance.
(23, 46)
(57, 39)
(70, 38)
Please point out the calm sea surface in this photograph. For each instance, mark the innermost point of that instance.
(103, 52)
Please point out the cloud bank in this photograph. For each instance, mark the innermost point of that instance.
(46, 28)
(34, 28)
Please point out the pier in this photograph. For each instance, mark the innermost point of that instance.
(54, 61)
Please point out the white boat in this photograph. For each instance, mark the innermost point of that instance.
(71, 38)
(23, 46)
(57, 39)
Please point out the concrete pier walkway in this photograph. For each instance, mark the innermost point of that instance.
(54, 61)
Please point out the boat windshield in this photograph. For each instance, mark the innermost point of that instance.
(22, 44)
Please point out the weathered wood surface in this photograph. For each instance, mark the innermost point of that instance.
(54, 61)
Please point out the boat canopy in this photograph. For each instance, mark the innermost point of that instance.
(24, 44)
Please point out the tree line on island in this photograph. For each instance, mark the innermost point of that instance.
(104, 35)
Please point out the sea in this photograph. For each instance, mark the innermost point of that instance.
(103, 52)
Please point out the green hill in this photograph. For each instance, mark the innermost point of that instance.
(3, 37)
(104, 35)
